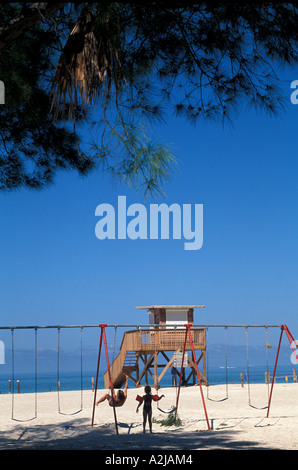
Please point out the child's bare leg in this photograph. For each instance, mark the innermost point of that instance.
(144, 420)
(150, 421)
(103, 398)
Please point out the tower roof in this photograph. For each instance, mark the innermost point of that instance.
(168, 307)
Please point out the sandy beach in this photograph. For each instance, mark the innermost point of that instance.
(235, 424)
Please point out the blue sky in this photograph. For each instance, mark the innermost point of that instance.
(55, 271)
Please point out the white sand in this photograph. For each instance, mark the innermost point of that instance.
(235, 425)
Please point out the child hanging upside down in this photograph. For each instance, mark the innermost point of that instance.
(147, 410)
(119, 399)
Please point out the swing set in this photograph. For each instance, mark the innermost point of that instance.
(187, 340)
(247, 362)
(12, 381)
(188, 336)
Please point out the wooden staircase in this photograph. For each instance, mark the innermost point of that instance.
(125, 363)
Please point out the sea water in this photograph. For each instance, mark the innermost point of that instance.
(74, 380)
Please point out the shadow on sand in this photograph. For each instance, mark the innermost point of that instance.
(79, 435)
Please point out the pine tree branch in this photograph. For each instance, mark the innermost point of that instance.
(30, 15)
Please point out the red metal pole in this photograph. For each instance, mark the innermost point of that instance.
(96, 381)
(187, 332)
(111, 384)
(292, 342)
(273, 378)
(198, 375)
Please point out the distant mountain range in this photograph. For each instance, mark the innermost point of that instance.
(47, 359)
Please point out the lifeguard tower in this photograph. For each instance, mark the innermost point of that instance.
(142, 349)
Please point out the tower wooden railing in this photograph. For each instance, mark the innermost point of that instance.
(149, 341)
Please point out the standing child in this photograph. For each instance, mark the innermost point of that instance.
(147, 409)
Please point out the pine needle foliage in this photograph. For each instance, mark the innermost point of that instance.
(117, 67)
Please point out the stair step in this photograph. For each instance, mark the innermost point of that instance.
(128, 369)
(130, 359)
(125, 363)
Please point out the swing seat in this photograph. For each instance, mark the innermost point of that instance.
(174, 408)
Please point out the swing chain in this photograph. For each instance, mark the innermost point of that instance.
(13, 378)
(58, 372)
(114, 345)
(248, 378)
(226, 367)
